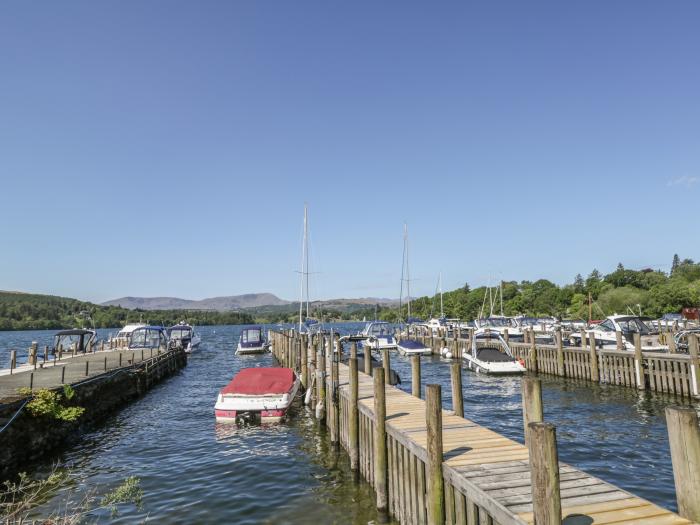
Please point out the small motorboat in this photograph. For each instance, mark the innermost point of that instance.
(378, 335)
(252, 341)
(78, 339)
(258, 393)
(148, 338)
(494, 359)
(183, 335)
(412, 347)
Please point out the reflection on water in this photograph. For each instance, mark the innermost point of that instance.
(194, 470)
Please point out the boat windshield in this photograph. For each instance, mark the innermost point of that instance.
(633, 324)
(181, 333)
(529, 321)
(379, 329)
(147, 338)
(251, 336)
(69, 342)
(495, 322)
(672, 317)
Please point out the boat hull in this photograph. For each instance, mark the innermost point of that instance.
(493, 368)
(266, 407)
(247, 350)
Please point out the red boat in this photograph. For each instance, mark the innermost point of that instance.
(261, 392)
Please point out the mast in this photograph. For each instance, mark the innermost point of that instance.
(442, 310)
(500, 289)
(408, 273)
(304, 271)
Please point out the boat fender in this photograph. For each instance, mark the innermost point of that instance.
(309, 391)
(448, 355)
(319, 410)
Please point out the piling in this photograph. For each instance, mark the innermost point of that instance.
(415, 375)
(13, 360)
(638, 366)
(335, 409)
(63, 374)
(618, 339)
(353, 350)
(33, 352)
(87, 368)
(532, 404)
(354, 416)
(533, 353)
(368, 358)
(380, 450)
(544, 472)
(46, 353)
(31, 381)
(694, 364)
(457, 399)
(304, 358)
(386, 363)
(595, 376)
(684, 439)
(435, 481)
(559, 340)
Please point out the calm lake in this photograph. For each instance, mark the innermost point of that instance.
(193, 470)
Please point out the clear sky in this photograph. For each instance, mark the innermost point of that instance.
(167, 148)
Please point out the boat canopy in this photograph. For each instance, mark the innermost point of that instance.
(252, 335)
(148, 337)
(261, 381)
(75, 331)
(411, 344)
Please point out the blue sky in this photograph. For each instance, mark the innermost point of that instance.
(167, 148)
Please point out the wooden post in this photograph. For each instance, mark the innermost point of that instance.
(120, 359)
(304, 351)
(595, 375)
(105, 363)
(694, 364)
(354, 417)
(380, 453)
(333, 397)
(559, 337)
(87, 368)
(33, 352)
(618, 338)
(506, 336)
(533, 353)
(321, 380)
(415, 375)
(13, 360)
(533, 411)
(435, 481)
(63, 374)
(457, 399)
(46, 353)
(684, 439)
(544, 472)
(31, 381)
(671, 344)
(353, 350)
(638, 363)
(367, 351)
(386, 363)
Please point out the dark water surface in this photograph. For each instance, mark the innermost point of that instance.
(193, 470)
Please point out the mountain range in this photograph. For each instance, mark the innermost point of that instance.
(232, 302)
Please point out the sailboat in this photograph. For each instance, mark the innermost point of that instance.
(407, 345)
(438, 324)
(305, 322)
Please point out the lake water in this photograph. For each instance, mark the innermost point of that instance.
(193, 470)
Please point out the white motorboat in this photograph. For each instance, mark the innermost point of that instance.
(260, 393)
(252, 341)
(123, 337)
(499, 324)
(184, 336)
(497, 359)
(378, 335)
(410, 346)
(606, 337)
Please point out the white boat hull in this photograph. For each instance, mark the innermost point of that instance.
(493, 368)
(381, 343)
(413, 351)
(252, 349)
(270, 408)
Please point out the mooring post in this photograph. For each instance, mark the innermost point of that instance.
(506, 336)
(618, 340)
(353, 350)
(684, 439)
(457, 399)
(304, 355)
(533, 411)
(415, 375)
(46, 353)
(87, 367)
(105, 363)
(595, 375)
(672, 344)
(380, 453)
(354, 417)
(120, 359)
(334, 398)
(559, 339)
(63, 374)
(321, 380)
(13, 360)
(31, 381)
(533, 353)
(367, 354)
(33, 353)
(544, 472)
(435, 481)
(638, 363)
(694, 364)
(386, 364)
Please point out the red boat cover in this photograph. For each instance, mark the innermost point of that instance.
(260, 381)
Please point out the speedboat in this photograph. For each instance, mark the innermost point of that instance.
(606, 337)
(183, 335)
(495, 358)
(412, 347)
(378, 335)
(437, 325)
(148, 338)
(499, 324)
(124, 335)
(263, 393)
(78, 339)
(252, 341)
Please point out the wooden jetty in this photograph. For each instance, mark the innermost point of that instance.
(429, 465)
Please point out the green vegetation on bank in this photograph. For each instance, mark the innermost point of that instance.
(653, 292)
(20, 311)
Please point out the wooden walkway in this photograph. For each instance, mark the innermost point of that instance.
(487, 476)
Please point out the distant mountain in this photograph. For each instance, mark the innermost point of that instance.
(221, 304)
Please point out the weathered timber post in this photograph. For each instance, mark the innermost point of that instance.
(46, 353)
(506, 336)
(684, 439)
(386, 364)
(60, 351)
(353, 350)
(559, 338)
(304, 363)
(87, 368)
(435, 481)
(33, 352)
(367, 351)
(672, 344)
(618, 339)
(321, 379)
(638, 363)
(120, 359)
(105, 363)
(31, 381)
(595, 375)
(533, 411)
(533, 353)
(334, 399)
(694, 364)
(63, 374)
(457, 399)
(380, 450)
(13, 360)
(415, 375)
(354, 417)
(544, 472)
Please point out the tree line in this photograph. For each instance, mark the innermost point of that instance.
(19, 311)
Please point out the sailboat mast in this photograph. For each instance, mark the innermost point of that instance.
(500, 289)
(442, 310)
(303, 275)
(408, 272)
(306, 251)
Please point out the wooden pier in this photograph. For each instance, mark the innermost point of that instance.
(429, 465)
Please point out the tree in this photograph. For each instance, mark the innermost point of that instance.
(579, 283)
(675, 263)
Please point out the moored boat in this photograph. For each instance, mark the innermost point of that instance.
(264, 393)
(252, 341)
(378, 335)
(493, 356)
(412, 347)
(184, 336)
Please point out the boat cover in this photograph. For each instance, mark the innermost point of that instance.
(492, 355)
(261, 381)
(411, 344)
